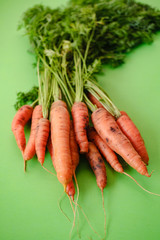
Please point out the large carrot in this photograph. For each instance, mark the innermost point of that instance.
(30, 147)
(80, 121)
(19, 121)
(60, 133)
(41, 138)
(131, 131)
(70, 190)
(105, 150)
(109, 131)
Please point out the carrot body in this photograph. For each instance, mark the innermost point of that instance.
(74, 148)
(19, 121)
(94, 100)
(105, 150)
(133, 134)
(109, 131)
(70, 190)
(97, 164)
(41, 138)
(60, 134)
(80, 122)
(30, 150)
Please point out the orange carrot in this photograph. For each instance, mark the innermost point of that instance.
(60, 133)
(109, 131)
(74, 148)
(19, 121)
(131, 131)
(41, 138)
(97, 164)
(80, 122)
(30, 147)
(94, 100)
(70, 190)
(105, 150)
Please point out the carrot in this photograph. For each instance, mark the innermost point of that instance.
(109, 131)
(105, 150)
(70, 190)
(41, 138)
(60, 133)
(74, 148)
(19, 121)
(131, 131)
(80, 122)
(30, 148)
(97, 164)
(94, 100)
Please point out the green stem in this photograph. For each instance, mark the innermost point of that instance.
(102, 97)
(90, 105)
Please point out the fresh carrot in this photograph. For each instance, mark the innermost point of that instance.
(131, 131)
(97, 164)
(105, 150)
(94, 100)
(41, 138)
(80, 121)
(70, 190)
(60, 133)
(30, 150)
(19, 121)
(110, 132)
(74, 148)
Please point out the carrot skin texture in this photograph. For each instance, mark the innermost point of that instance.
(60, 133)
(97, 164)
(109, 131)
(105, 150)
(74, 148)
(131, 131)
(19, 121)
(80, 121)
(30, 150)
(41, 138)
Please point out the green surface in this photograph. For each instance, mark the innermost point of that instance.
(29, 202)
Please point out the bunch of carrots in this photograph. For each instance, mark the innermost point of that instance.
(68, 97)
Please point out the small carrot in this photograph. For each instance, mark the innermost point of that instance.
(105, 150)
(94, 100)
(30, 151)
(74, 148)
(19, 121)
(97, 164)
(109, 131)
(60, 133)
(131, 131)
(80, 121)
(41, 138)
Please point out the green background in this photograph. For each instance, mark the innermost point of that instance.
(29, 201)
